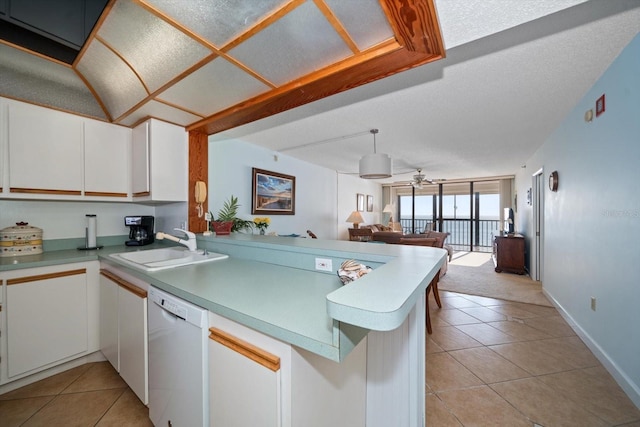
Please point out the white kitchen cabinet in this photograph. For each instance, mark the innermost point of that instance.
(123, 329)
(51, 317)
(160, 162)
(107, 160)
(45, 151)
(249, 376)
(3, 141)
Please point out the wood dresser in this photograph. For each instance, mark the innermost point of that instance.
(508, 254)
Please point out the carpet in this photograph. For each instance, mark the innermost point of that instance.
(473, 273)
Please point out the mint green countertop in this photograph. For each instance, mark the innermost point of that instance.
(270, 284)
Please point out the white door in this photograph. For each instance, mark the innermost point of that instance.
(538, 226)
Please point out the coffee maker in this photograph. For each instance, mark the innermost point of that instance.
(141, 232)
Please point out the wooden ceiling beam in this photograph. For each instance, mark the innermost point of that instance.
(418, 41)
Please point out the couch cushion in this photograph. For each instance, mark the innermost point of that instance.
(441, 237)
(418, 241)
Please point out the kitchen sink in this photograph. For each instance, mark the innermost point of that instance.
(164, 258)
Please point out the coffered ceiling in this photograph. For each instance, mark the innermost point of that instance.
(215, 65)
(310, 78)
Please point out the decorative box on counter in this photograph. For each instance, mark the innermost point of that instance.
(20, 239)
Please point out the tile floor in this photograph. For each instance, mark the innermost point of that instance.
(489, 363)
(492, 362)
(89, 395)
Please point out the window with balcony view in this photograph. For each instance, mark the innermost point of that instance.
(468, 211)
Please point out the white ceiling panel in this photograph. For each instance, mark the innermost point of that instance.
(160, 111)
(214, 87)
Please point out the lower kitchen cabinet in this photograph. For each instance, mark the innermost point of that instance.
(49, 318)
(123, 330)
(255, 379)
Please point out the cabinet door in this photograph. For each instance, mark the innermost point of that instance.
(109, 321)
(45, 151)
(132, 317)
(107, 152)
(140, 184)
(169, 154)
(46, 319)
(244, 383)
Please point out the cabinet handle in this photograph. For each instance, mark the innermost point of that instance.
(254, 353)
(26, 279)
(124, 284)
(45, 191)
(104, 194)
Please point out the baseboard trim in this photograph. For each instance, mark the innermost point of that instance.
(628, 386)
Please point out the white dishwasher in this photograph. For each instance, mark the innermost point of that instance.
(178, 372)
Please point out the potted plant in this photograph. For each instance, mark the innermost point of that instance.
(227, 220)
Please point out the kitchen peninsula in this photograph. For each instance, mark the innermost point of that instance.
(347, 355)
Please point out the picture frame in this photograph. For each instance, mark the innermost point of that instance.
(360, 202)
(272, 193)
(369, 203)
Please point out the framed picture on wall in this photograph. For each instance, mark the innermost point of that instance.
(369, 203)
(360, 202)
(272, 193)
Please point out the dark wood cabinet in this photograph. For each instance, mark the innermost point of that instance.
(508, 254)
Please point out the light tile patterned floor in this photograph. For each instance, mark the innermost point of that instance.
(498, 363)
(89, 395)
(489, 363)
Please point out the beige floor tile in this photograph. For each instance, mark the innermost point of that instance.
(15, 412)
(99, 376)
(511, 310)
(538, 310)
(544, 405)
(432, 347)
(484, 301)
(453, 316)
(484, 314)
(571, 349)
(446, 373)
(49, 386)
(595, 391)
(481, 406)
(519, 330)
(551, 325)
(128, 411)
(530, 357)
(459, 302)
(78, 409)
(486, 334)
(450, 338)
(438, 415)
(487, 365)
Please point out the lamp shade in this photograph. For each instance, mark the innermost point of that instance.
(375, 165)
(388, 208)
(355, 218)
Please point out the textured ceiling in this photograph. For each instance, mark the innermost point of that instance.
(513, 70)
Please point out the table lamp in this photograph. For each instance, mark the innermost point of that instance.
(389, 209)
(355, 218)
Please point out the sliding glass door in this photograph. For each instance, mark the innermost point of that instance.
(468, 211)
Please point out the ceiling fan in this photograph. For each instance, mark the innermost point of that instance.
(419, 179)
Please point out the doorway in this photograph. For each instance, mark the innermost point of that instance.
(537, 244)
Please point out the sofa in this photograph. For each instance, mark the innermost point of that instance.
(381, 233)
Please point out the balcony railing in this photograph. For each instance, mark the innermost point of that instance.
(459, 231)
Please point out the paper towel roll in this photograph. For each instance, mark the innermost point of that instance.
(91, 231)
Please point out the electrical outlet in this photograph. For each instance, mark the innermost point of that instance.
(593, 303)
(323, 264)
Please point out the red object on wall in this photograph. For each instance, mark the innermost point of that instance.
(600, 105)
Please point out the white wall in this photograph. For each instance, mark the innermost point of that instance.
(63, 220)
(324, 198)
(230, 166)
(349, 186)
(592, 222)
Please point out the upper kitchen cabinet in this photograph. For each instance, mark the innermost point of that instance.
(3, 139)
(160, 162)
(107, 160)
(45, 151)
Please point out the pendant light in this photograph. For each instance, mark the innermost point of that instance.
(375, 165)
